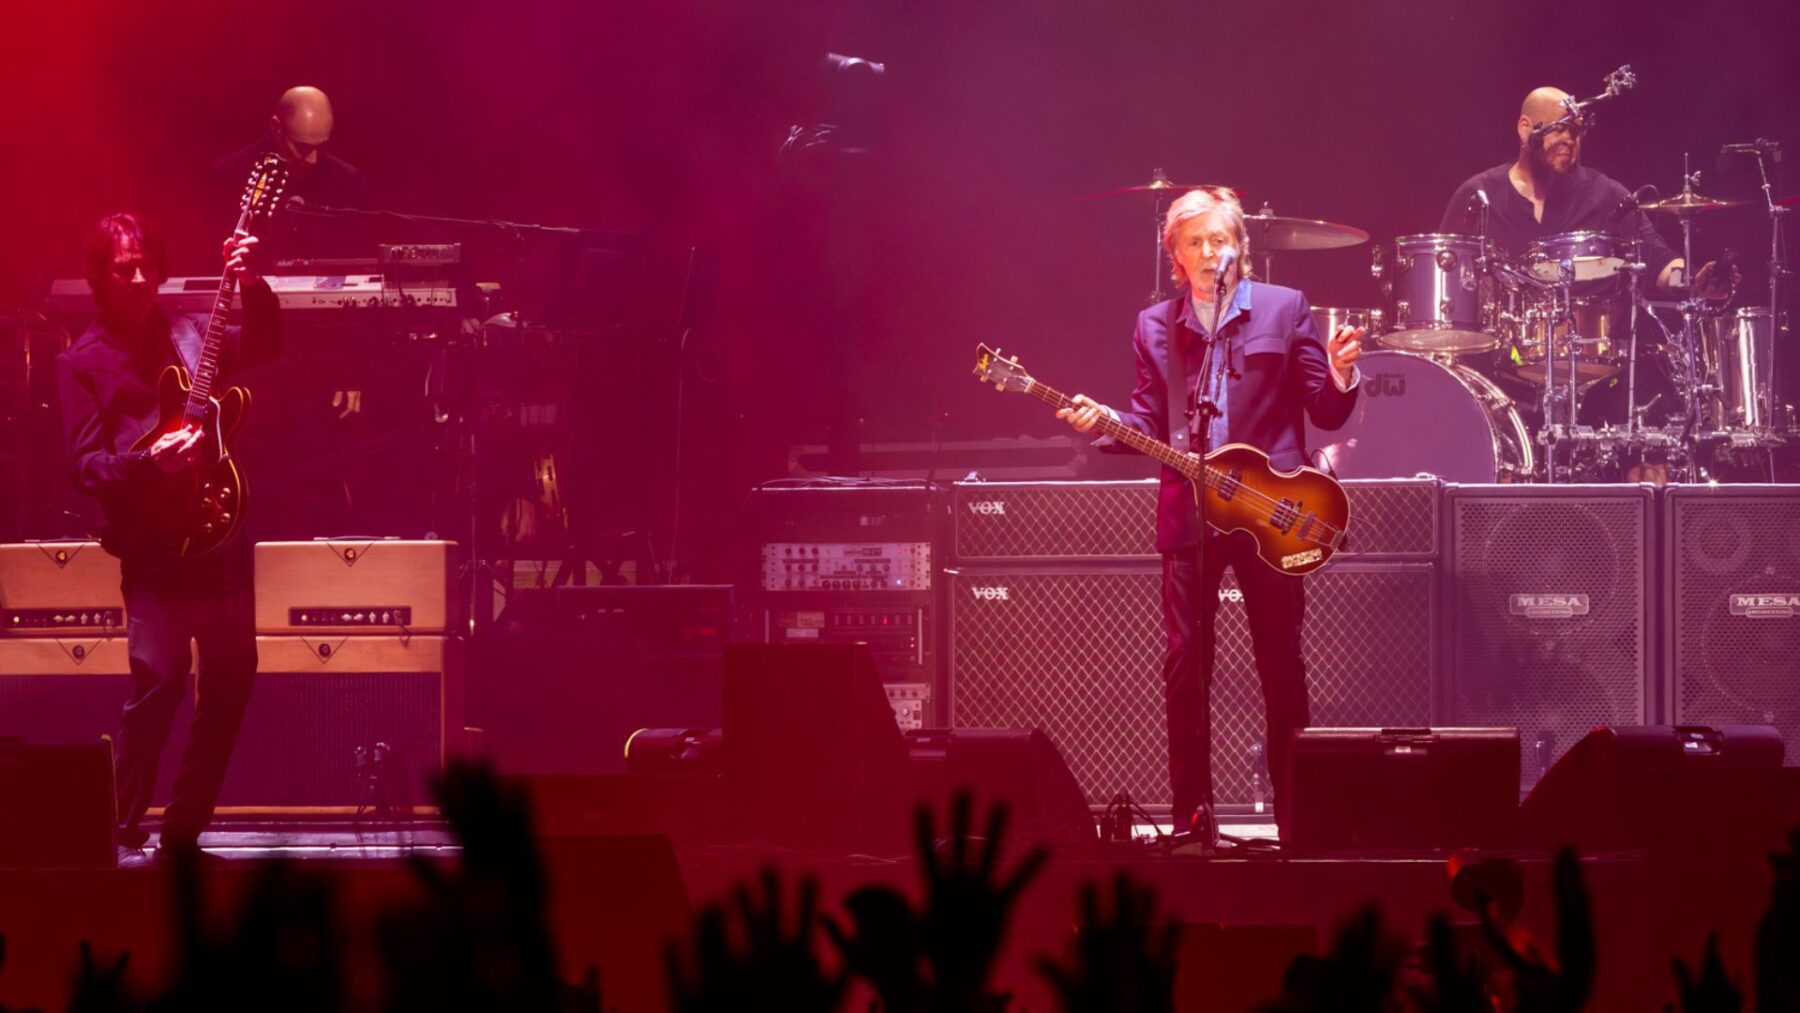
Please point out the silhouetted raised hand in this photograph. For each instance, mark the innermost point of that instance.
(1358, 975)
(1563, 983)
(101, 989)
(1778, 934)
(281, 951)
(777, 966)
(1119, 960)
(1456, 985)
(481, 937)
(884, 947)
(1712, 991)
(967, 902)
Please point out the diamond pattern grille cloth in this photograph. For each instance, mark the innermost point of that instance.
(1092, 520)
(1079, 654)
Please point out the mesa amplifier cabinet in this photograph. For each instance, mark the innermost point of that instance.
(357, 585)
(1003, 522)
(59, 589)
(1732, 628)
(845, 561)
(1550, 612)
(316, 702)
(1078, 652)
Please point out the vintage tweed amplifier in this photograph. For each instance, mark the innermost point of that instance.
(357, 585)
(59, 589)
(335, 720)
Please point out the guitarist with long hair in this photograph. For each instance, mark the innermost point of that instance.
(108, 382)
(1251, 364)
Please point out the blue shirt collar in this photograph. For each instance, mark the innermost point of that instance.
(1240, 303)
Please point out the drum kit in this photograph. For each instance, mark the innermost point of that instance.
(1479, 363)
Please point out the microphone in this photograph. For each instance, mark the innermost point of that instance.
(1481, 198)
(1642, 195)
(1227, 257)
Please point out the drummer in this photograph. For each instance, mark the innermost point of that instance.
(1547, 191)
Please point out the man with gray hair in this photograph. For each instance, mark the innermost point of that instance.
(1252, 368)
(299, 130)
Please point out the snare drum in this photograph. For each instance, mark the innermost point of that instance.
(1599, 352)
(1442, 297)
(1417, 416)
(1595, 256)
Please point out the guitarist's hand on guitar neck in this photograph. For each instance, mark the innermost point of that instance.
(177, 449)
(1083, 414)
(239, 252)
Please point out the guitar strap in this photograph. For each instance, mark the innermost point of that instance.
(1180, 401)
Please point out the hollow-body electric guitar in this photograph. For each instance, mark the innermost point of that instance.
(195, 510)
(1298, 517)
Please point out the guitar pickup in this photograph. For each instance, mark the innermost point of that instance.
(1229, 483)
(1286, 513)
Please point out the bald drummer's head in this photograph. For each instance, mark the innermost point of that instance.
(1559, 149)
(301, 125)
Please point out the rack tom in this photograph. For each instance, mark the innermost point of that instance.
(1442, 297)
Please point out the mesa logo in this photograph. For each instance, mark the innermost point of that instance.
(995, 592)
(988, 507)
(1549, 606)
(1765, 606)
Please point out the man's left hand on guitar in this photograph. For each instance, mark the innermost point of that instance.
(1344, 348)
(239, 252)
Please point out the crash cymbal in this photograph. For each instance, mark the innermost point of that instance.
(1273, 232)
(1688, 204)
(1158, 185)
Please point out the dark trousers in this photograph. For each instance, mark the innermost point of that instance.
(206, 603)
(1276, 604)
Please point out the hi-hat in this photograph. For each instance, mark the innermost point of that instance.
(1273, 232)
(1686, 203)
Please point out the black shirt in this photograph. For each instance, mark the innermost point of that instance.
(293, 234)
(1584, 200)
(108, 389)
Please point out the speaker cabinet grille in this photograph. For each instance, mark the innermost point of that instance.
(1019, 521)
(1079, 654)
(1734, 619)
(1549, 616)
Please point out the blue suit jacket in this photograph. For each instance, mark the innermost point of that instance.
(1279, 370)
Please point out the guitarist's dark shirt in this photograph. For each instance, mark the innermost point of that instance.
(108, 391)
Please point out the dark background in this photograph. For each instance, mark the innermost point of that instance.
(665, 119)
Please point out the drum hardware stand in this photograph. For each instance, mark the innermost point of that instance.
(1690, 313)
(1157, 209)
(1555, 432)
(1767, 151)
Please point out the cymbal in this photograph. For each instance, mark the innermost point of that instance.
(1158, 185)
(1685, 204)
(1273, 232)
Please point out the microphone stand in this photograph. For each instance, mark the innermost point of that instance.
(1777, 269)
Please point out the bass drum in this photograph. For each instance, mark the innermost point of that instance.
(1415, 416)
